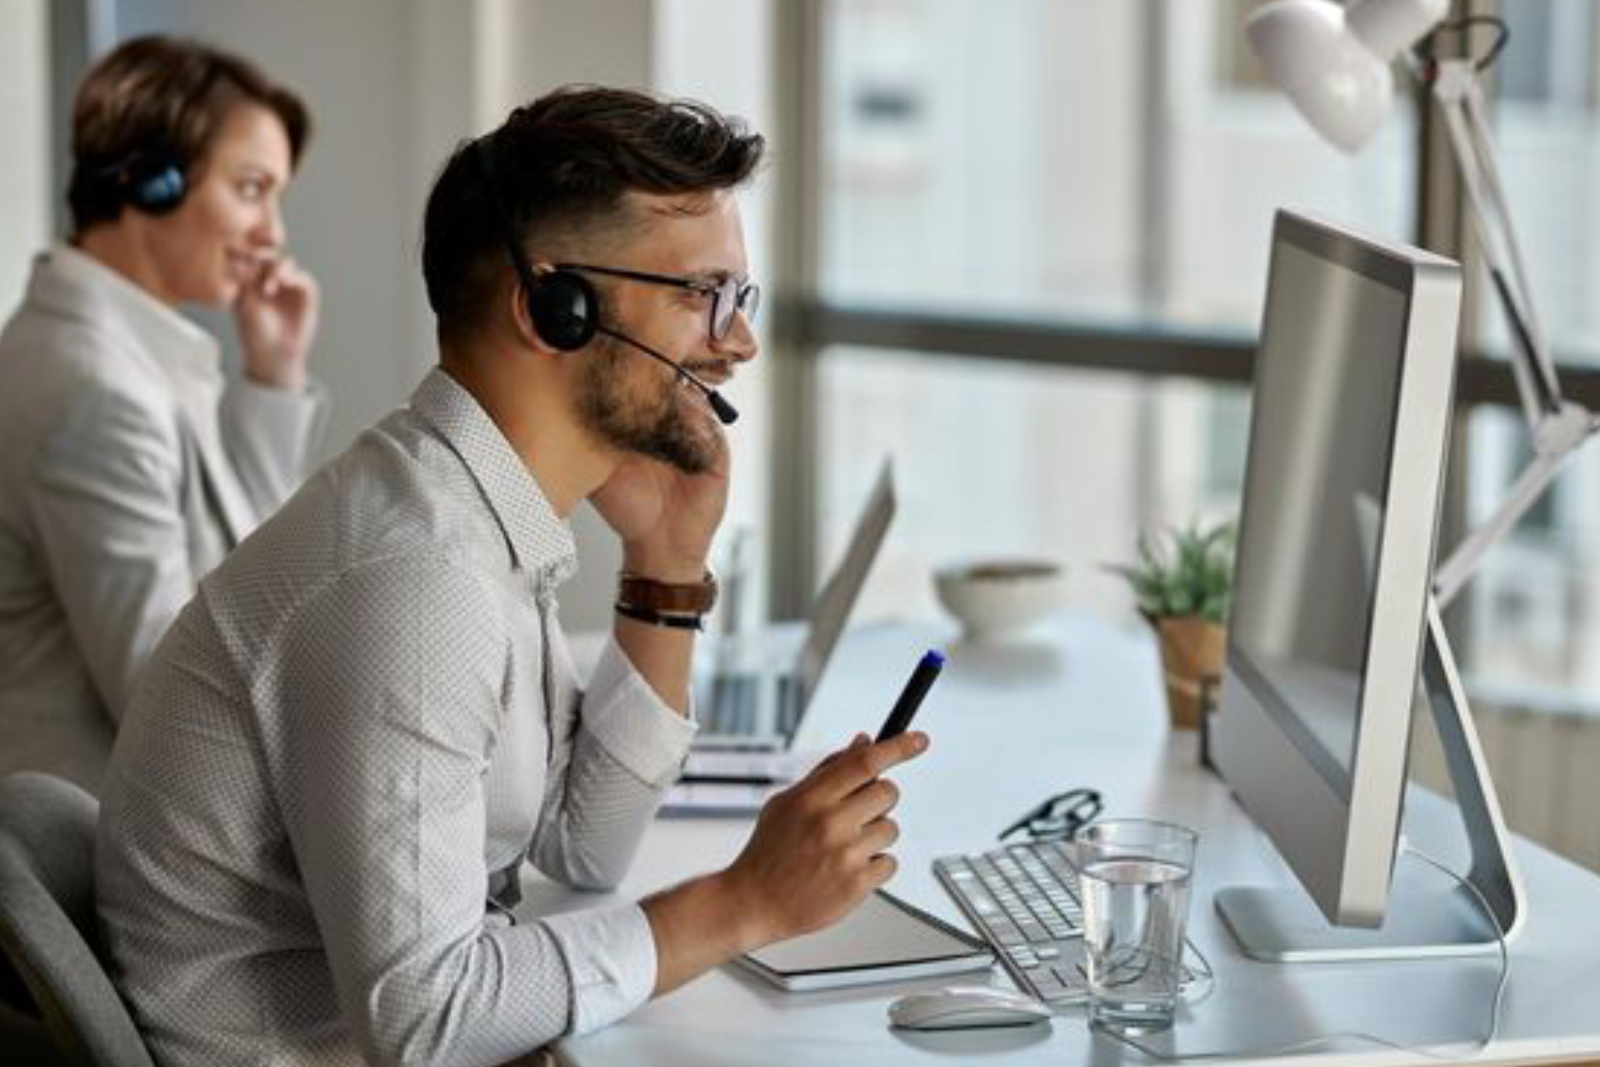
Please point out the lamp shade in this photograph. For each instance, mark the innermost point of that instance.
(1333, 62)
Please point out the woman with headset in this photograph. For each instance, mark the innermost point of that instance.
(129, 466)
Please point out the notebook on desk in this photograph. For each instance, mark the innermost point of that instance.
(755, 703)
(885, 939)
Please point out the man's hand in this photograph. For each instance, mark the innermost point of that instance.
(820, 846)
(818, 849)
(665, 518)
(276, 315)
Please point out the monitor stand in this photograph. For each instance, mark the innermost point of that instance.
(1425, 916)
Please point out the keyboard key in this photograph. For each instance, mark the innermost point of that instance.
(1023, 899)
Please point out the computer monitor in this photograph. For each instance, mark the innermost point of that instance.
(1332, 616)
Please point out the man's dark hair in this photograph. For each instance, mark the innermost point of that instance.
(563, 166)
(167, 97)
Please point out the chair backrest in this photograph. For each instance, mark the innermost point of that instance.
(47, 920)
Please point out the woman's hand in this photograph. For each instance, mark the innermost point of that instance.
(277, 320)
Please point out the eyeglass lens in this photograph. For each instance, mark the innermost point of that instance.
(731, 296)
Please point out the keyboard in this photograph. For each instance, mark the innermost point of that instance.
(1023, 900)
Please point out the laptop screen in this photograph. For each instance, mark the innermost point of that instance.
(843, 587)
(762, 708)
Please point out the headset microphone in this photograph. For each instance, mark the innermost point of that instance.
(726, 413)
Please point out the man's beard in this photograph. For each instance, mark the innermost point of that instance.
(648, 420)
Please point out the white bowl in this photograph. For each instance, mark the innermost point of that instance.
(996, 597)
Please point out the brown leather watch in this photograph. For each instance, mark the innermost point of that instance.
(667, 598)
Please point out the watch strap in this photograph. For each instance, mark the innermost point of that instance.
(676, 598)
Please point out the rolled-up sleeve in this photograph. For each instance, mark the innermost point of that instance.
(601, 798)
(270, 435)
(389, 681)
(623, 712)
(611, 962)
(604, 790)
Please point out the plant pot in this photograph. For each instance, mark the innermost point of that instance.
(1191, 665)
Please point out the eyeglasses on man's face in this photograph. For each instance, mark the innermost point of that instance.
(728, 297)
(1060, 816)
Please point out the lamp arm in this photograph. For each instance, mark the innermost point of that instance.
(1558, 426)
(1455, 86)
(1478, 123)
(1459, 567)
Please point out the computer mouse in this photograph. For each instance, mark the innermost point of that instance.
(963, 1007)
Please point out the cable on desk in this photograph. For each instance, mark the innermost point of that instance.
(1332, 1039)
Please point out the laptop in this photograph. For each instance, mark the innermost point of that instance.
(756, 697)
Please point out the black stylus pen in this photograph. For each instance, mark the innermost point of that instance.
(917, 686)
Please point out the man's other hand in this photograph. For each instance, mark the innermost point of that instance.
(821, 846)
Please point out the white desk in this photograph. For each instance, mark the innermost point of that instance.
(1079, 704)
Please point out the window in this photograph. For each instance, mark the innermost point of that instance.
(997, 460)
(1025, 172)
(1113, 164)
(1535, 637)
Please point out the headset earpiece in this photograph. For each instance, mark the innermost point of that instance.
(564, 309)
(562, 304)
(153, 184)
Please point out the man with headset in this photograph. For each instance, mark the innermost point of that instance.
(314, 823)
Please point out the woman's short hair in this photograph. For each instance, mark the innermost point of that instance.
(165, 98)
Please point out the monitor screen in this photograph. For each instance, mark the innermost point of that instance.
(1350, 418)
(1303, 603)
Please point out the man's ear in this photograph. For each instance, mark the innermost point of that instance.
(517, 303)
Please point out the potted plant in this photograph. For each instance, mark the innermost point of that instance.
(1184, 584)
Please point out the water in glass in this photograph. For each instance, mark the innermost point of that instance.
(1133, 911)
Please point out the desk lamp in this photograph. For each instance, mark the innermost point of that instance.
(1334, 63)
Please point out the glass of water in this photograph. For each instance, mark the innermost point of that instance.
(1134, 875)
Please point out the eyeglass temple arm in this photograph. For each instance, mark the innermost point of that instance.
(640, 276)
(1088, 800)
(1018, 825)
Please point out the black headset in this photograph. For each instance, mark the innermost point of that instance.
(150, 181)
(563, 305)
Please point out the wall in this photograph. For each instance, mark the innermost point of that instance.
(382, 80)
(25, 184)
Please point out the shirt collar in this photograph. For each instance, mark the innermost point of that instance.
(78, 286)
(540, 540)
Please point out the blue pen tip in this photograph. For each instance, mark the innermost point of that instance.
(933, 658)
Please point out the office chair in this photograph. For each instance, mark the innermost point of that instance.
(47, 921)
(23, 1034)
